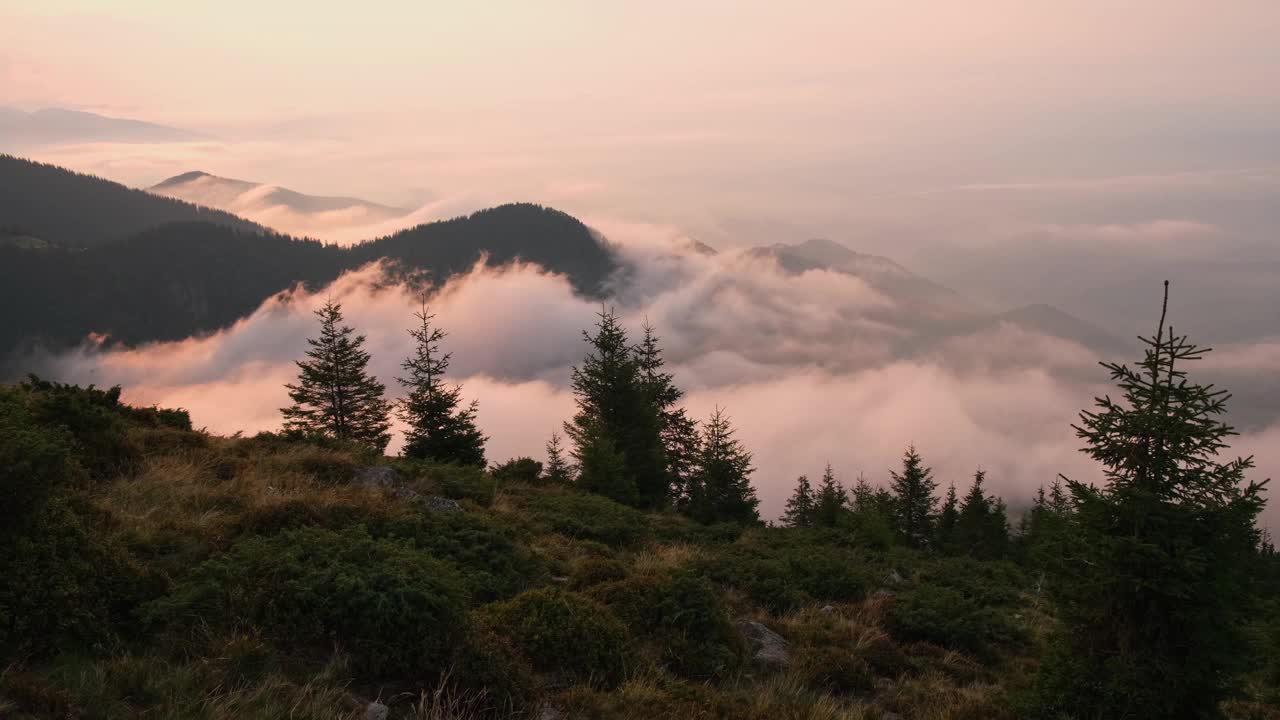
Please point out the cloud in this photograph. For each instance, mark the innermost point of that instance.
(813, 367)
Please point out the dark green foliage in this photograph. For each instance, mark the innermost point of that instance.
(335, 396)
(831, 500)
(982, 527)
(34, 460)
(589, 517)
(487, 554)
(95, 420)
(913, 500)
(594, 570)
(616, 431)
(563, 633)
(720, 489)
(65, 584)
(799, 509)
(835, 670)
(557, 470)
(678, 432)
(781, 575)
(392, 607)
(683, 614)
(489, 666)
(1153, 591)
(944, 535)
(522, 469)
(436, 426)
(959, 607)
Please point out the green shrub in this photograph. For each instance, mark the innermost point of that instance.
(66, 584)
(158, 417)
(947, 617)
(595, 570)
(564, 633)
(522, 469)
(95, 420)
(588, 517)
(164, 439)
(492, 563)
(487, 664)
(457, 482)
(34, 460)
(780, 576)
(393, 608)
(684, 615)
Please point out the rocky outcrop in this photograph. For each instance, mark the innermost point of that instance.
(768, 647)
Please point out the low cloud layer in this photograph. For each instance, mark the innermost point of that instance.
(813, 367)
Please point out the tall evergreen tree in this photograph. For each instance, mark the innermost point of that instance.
(720, 489)
(437, 428)
(913, 500)
(799, 509)
(1153, 589)
(831, 500)
(981, 528)
(602, 469)
(335, 395)
(614, 401)
(862, 497)
(945, 534)
(678, 431)
(557, 470)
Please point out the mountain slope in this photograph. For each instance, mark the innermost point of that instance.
(57, 125)
(280, 208)
(74, 210)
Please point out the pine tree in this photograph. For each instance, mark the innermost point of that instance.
(602, 469)
(862, 497)
(1153, 588)
(335, 396)
(720, 489)
(557, 470)
(913, 500)
(614, 401)
(436, 427)
(799, 509)
(945, 535)
(678, 432)
(831, 500)
(982, 528)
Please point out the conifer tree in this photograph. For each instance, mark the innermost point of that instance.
(831, 500)
(335, 395)
(863, 495)
(678, 432)
(720, 488)
(557, 470)
(602, 469)
(945, 535)
(1152, 590)
(613, 401)
(981, 528)
(799, 509)
(913, 500)
(436, 427)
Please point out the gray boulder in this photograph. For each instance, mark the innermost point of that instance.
(378, 476)
(435, 503)
(769, 647)
(376, 711)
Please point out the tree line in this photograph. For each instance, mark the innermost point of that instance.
(1151, 573)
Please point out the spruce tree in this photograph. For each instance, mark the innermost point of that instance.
(602, 469)
(557, 470)
(862, 497)
(613, 401)
(678, 432)
(982, 528)
(335, 396)
(945, 535)
(830, 501)
(720, 488)
(799, 509)
(437, 428)
(1153, 588)
(913, 500)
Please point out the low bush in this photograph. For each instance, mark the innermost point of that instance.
(522, 469)
(835, 670)
(684, 615)
(946, 616)
(393, 608)
(563, 633)
(34, 461)
(95, 420)
(588, 517)
(594, 570)
(782, 576)
(487, 665)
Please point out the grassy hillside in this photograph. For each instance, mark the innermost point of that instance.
(150, 570)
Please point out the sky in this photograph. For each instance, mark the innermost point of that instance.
(1070, 152)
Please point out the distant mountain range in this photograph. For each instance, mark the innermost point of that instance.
(284, 210)
(56, 126)
(81, 255)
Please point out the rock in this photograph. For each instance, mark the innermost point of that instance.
(376, 711)
(770, 647)
(377, 476)
(881, 684)
(891, 716)
(827, 609)
(893, 578)
(435, 503)
(884, 593)
(550, 713)
(559, 579)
